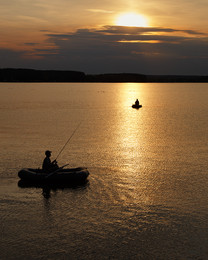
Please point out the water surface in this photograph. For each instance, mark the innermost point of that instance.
(147, 192)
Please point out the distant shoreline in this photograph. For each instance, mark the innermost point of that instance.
(32, 75)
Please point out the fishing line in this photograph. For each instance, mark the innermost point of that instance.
(68, 140)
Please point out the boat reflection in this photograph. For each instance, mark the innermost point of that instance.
(48, 187)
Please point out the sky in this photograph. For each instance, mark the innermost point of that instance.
(109, 36)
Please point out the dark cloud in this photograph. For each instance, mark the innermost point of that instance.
(114, 49)
(9, 58)
(140, 30)
(31, 43)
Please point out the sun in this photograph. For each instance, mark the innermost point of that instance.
(131, 19)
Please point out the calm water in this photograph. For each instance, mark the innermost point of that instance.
(147, 195)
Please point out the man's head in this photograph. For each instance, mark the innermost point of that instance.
(48, 153)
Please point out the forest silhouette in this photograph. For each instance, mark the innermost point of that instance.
(32, 75)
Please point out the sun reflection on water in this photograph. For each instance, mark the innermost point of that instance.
(129, 137)
(142, 152)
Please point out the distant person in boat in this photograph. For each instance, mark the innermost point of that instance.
(137, 102)
(49, 166)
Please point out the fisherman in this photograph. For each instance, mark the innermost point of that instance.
(137, 102)
(49, 166)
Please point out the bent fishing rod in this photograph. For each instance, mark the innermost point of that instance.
(68, 141)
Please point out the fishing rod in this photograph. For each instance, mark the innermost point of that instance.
(68, 140)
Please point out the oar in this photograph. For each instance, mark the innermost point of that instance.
(50, 174)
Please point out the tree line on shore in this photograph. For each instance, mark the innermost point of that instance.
(32, 75)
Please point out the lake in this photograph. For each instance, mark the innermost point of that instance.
(147, 194)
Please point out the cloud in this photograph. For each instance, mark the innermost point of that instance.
(110, 37)
(31, 43)
(114, 34)
(10, 58)
(116, 49)
(140, 30)
(100, 11)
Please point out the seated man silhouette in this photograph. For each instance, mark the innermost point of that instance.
(49, 166)
(137, 102)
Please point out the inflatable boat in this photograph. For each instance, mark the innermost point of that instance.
(71, 175)
(136, 106)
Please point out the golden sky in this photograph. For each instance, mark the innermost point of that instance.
(48, 34)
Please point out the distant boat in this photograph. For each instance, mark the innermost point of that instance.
(136, 106)
(70, 176)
